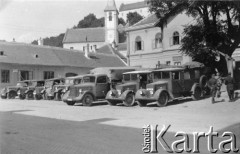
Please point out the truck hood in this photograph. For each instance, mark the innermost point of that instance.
(126, 85)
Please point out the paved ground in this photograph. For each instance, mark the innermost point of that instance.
(29, 126)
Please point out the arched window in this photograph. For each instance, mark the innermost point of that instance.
(157, 42)
(176, 39)
(110, 16)
(138, 43)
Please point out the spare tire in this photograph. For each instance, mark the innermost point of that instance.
(203, 81)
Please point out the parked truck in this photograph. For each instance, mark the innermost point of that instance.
(125, 92)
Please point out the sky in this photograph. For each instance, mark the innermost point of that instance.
(28, 20)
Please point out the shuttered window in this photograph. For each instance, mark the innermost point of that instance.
(5, 76)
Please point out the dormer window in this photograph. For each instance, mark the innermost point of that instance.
(1, 53)
(110, 16)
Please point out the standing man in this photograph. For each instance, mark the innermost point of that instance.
(219, 84)
(212, 84)
(229, 81)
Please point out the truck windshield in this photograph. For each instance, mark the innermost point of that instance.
(88, 79)
(165, 75)
(134, 77)
(126, 77)
(77, 81)
(157, 75)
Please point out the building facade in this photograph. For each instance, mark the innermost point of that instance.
(20, 61)
(150, 46)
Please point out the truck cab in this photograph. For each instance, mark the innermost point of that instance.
(11, 92)
(27, 92)
(92, 88)
(125, 92)
(172, 83)
(61, 89)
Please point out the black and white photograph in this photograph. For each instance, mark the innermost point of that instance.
(119, 76)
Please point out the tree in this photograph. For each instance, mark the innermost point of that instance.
(91, 21)
(121, 21)
(216, 28)
(133, 17)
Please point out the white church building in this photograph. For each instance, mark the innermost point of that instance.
(91, 39)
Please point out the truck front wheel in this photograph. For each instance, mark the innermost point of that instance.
(87, 100)
(70, 103)
(142, 103)
(197, 92)
(163, 99)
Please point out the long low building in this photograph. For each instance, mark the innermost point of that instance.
(19, 61)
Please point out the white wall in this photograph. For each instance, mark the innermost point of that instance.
(38, 71)
(149, 57)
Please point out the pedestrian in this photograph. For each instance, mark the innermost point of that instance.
(212, 84)
(229, 82)
(219, 84)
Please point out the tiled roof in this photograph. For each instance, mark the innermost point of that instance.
(107, 49)
(84, 35)
(122, 46)
(147, 22)
(26, 54)
(132, 6)
(111, 6)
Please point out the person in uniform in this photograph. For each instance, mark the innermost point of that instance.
(212, 84)
(229, 82)
(219, 84)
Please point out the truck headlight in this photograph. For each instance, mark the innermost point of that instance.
(18, 92)
(80, 91)
(119, 91)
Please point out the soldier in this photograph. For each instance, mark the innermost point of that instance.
(229, 81)
(212, 84)
(219, 84)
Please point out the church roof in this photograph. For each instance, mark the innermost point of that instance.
(82, 35)
(27, 54)
(133, 6)
(148, 22)
(111, 6)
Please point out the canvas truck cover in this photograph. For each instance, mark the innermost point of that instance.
(114, 73)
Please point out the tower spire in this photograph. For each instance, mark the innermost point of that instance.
(111, 6)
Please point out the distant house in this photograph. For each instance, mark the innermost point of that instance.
(20, 61)
(149, 45)
(139, 7)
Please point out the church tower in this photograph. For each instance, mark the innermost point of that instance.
(111, 22)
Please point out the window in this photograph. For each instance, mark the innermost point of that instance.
(88, 79)
(110, 16)
(1, 53)
(91, 47)
(5, 76)
(126, 77)
(25, 75)
(177, 63)
(102, 79)
(197, 74)
(95, 47)
(134, 77)
(165, 75)
(48, 75)
(83, 48)
(157, 75)
(157, 42)
(176, 40)
(175, 75)
(168, 62)
(138, 43)
(71, 48)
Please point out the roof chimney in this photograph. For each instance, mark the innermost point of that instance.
(40, 41)
(14, 40)
(86, 52)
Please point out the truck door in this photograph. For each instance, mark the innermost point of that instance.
(102, 86)
(189, 77)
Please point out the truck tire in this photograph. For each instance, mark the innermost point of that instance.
(129, 100)
(11, 95)
(197, 92)
(38, 97)
(70, 103)
(30, 95)
(141, 103)
(162, 99)
(203, 81)
(3, 97)
(87, 100)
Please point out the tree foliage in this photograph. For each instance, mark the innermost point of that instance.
(91, 21)
(216, 27)
(133, 17)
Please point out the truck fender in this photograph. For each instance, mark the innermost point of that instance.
(112, 91)
(203, 81)
(27, 91)
(43, 91)
(141, 93)
(58, 91)
(193, 87)
(87, 92)
(126, 92)
(159, 91)
(12, 91)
